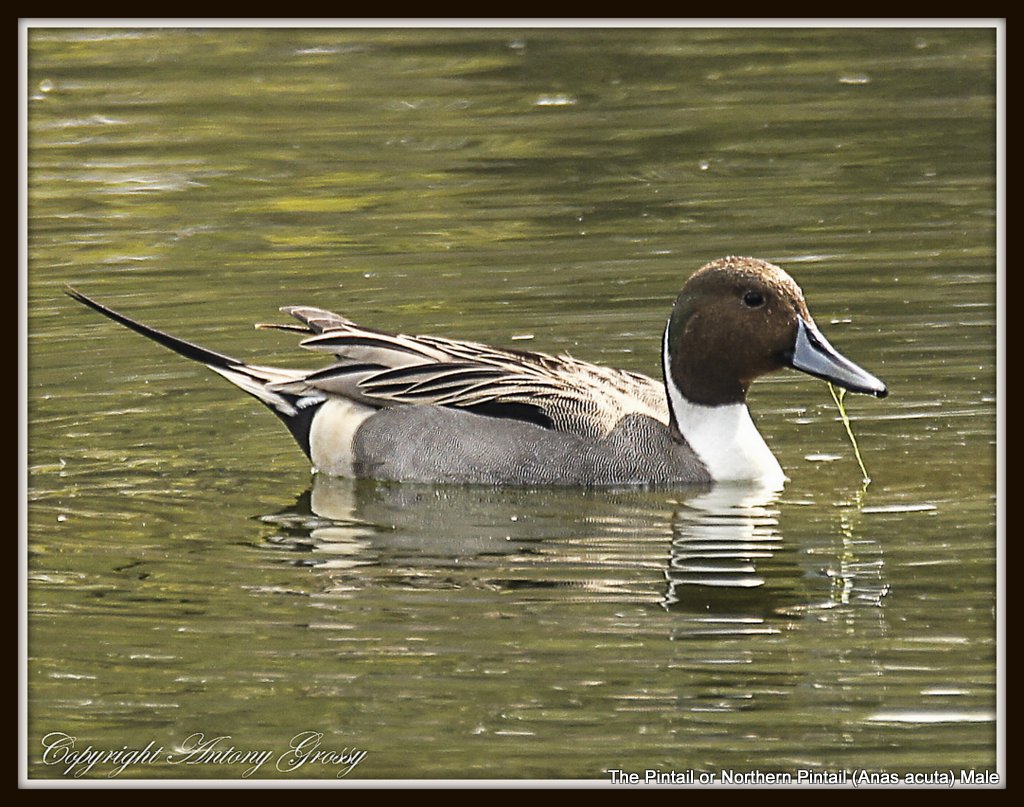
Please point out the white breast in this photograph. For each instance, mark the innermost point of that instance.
(727, 441)
(724, 437)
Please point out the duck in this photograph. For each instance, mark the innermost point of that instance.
(403, 408)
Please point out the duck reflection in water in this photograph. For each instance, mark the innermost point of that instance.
(718, 551)
(728, 564)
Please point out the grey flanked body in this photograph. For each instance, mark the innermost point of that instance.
(434, 444)
(428, 409)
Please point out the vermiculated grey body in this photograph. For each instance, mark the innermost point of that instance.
(436, 444)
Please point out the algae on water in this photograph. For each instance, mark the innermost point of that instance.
(838, 398)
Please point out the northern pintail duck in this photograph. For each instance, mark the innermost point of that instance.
(423, 408)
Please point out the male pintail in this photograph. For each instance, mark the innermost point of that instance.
(428, 409)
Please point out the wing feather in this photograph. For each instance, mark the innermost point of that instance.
(388, 369)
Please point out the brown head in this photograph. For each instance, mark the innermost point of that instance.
(740, 318)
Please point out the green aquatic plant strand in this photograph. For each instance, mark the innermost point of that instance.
(838, 398)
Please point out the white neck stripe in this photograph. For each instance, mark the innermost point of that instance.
(724, 437)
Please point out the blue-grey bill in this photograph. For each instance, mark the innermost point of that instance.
(815, 356)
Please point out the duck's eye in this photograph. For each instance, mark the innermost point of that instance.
(753, 299)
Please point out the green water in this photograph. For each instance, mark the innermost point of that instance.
(542, 189)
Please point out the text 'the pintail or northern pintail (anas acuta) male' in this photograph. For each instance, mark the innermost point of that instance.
(428, 409)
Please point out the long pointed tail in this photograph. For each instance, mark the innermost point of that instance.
(296, 411)
(180, 346)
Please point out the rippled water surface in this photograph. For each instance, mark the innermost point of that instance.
(541, 189)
